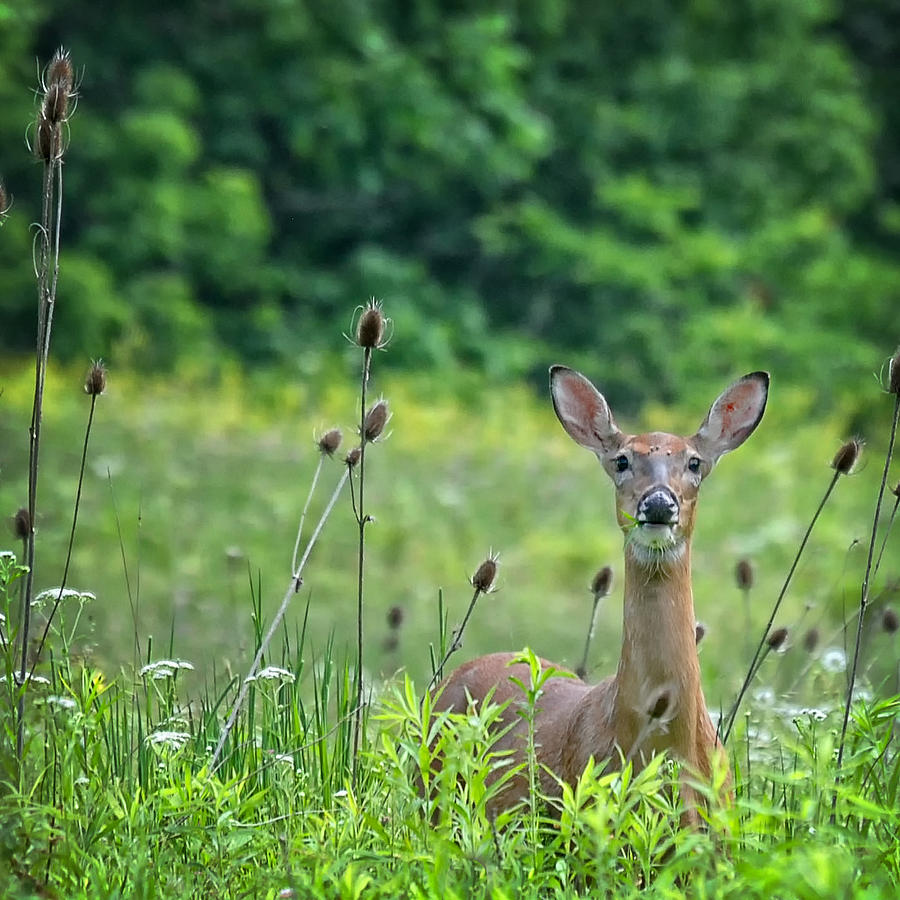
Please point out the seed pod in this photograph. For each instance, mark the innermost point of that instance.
(894, 377)
(602, 583)
(743, 575)
(889, 620)
(56, 104)
(370, 330)
(376, 418)
(47, 145)
(352, 458)
(95, 383)
(330, 441)
(22, 524)
(777, 638)
(485, 575)
(811, 640)
(845, 459)
(60, 72)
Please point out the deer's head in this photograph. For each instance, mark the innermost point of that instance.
(657, 475)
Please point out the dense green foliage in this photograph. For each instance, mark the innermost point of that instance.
(515, 178)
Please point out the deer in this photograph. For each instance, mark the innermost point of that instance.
(654, 702)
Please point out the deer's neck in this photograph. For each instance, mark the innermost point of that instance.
(659, 659)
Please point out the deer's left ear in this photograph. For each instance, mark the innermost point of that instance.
(734, 415)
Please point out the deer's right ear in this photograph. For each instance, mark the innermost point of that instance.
(583, 410)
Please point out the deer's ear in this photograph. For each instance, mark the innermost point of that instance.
(583, 410)
(734, 415)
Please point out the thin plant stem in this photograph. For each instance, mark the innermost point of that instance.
(751, 672)
(279, 615)
(887, 533)
(864, 595)
(65, 576)
(455, 642)
(49, 235)
(309, 496)
(361, 521)
(581, 671)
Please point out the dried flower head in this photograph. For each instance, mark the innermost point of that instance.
(889, 620)
(371, 326)
(55, 107)
(811, 640)
(352, 458)
(699, 632)
(602, 583)
(743, 575)
(845, 459)
(894, 374)
(777, 639)
(395, 617)
(95, 382)
(486, 574)
(48, 142)
(60, 71)
(329, 442)
(376, 418)
(22, 524)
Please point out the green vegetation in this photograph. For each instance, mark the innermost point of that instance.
(521, 180)
(658, 196)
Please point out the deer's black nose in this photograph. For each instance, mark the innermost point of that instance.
(658, 507)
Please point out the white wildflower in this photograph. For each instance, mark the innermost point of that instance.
(272, 673)
(173, 739)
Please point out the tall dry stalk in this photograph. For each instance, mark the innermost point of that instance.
(57, 93)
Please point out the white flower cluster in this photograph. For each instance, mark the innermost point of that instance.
(164, 668)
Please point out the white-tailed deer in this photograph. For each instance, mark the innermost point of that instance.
(655, 701)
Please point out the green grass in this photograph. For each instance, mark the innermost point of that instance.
(205, 481)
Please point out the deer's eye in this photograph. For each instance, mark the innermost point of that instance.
(694, 464)
(621, 462)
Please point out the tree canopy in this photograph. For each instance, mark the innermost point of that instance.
(665, 192)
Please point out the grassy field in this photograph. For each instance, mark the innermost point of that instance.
(189, 513)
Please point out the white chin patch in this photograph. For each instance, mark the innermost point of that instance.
(655, 544)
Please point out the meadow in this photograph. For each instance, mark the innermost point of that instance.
(188, 515)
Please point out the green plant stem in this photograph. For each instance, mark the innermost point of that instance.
(279, 615)
(361, 521)
(65, 576)
(455, 643)
(751, 672)
(887, 534)
(581, 671)
(864, 595)
(49, 251)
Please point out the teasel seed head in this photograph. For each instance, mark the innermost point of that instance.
(602, 583)
(352, 458)
(371, 327)
(743, 574)
(395, 617)
(55, 108)
(894, 374)
(845, 459)
(486, 574)
(376, 418)
(329, 442)
(48, 139)
(699, 632)
(811, 640)
(889, 621)
(777, 639)
(60, 72)
(95, 382)
(22, 524)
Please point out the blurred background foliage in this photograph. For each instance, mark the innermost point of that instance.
(664, 193)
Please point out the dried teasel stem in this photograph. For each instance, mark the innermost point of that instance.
(864, 591)
(601, 584)
(726, 723)
(216, 761)
(94, 386)
(483, 581)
